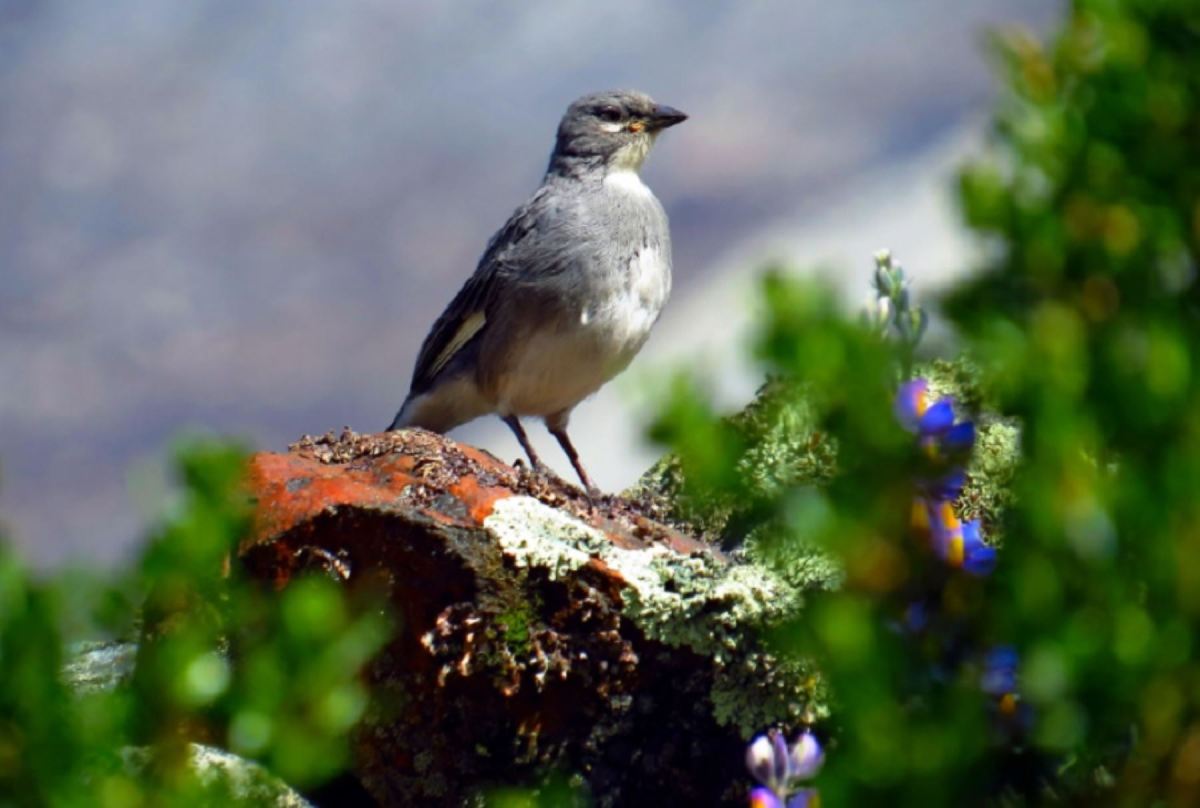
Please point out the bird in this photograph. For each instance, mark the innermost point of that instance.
(565, 293)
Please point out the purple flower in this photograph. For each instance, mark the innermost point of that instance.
(912, 402)
(999, 671)
(778, 767)
(957, 543)
(999, 680)
(804, 798)
(807, 757)
(918, 414)
(916, 618)
(767, 759)
(946, 446)
(977, 558)
(764, 798)
(944, 443)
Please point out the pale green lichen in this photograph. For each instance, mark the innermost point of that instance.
(702, 603)
(721, 612)
(94, 667)
(784, 448)
(799, 562)
(997, 451)
(761, 689)
(696, 601)
(781, 449)
(714, 608)
(223, 777)
(536, 535)
(959, 379)
(993, 465)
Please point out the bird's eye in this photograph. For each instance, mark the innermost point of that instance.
(609, 113)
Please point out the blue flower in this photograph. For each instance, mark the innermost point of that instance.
(999, 680)
(999, 671)
(804, 798)
(944, 443)
(767, 759)
(946, 446)
(977, 558)
(957, 543)
(764, 798)
(918, 414)
(806, 758)
(916, 618)
(778, 767)
(912, 402)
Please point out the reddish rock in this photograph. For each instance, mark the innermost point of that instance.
(437, 477)
(508, 663)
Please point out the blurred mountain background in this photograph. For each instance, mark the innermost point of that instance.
(242, 218)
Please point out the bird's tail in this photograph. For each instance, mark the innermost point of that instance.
(442, 408)
(402, 417)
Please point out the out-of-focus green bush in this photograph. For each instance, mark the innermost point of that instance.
(1087, 327)
(272, 676)
(1079, 341)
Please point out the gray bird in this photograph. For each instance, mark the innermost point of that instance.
(566, 292)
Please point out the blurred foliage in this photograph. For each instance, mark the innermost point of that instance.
(1079, 337)
(1087, 322)
(271, 676)
(557, 791)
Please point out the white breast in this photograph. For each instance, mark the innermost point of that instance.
(622, 321)
(627, 182)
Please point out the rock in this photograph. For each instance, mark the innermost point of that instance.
(102, 666)
(539, 633)
(225, 778)
(99, 666)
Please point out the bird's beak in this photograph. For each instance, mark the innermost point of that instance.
(664, 116)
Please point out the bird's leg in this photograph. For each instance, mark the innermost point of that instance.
(560, 433)
(514, 424)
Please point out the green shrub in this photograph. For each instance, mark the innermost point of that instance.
(1078, 339)
(212, 657)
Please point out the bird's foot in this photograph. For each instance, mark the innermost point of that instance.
(539, 468)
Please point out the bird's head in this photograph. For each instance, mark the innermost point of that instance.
(613, 129)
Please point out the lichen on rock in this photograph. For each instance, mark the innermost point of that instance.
(100, 666)
(536, 535)
(699, 601)
(223, 778)
(541, 631)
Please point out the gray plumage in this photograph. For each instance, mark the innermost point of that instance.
(566, 292)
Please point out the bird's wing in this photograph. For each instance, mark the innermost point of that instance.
(467, 315)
